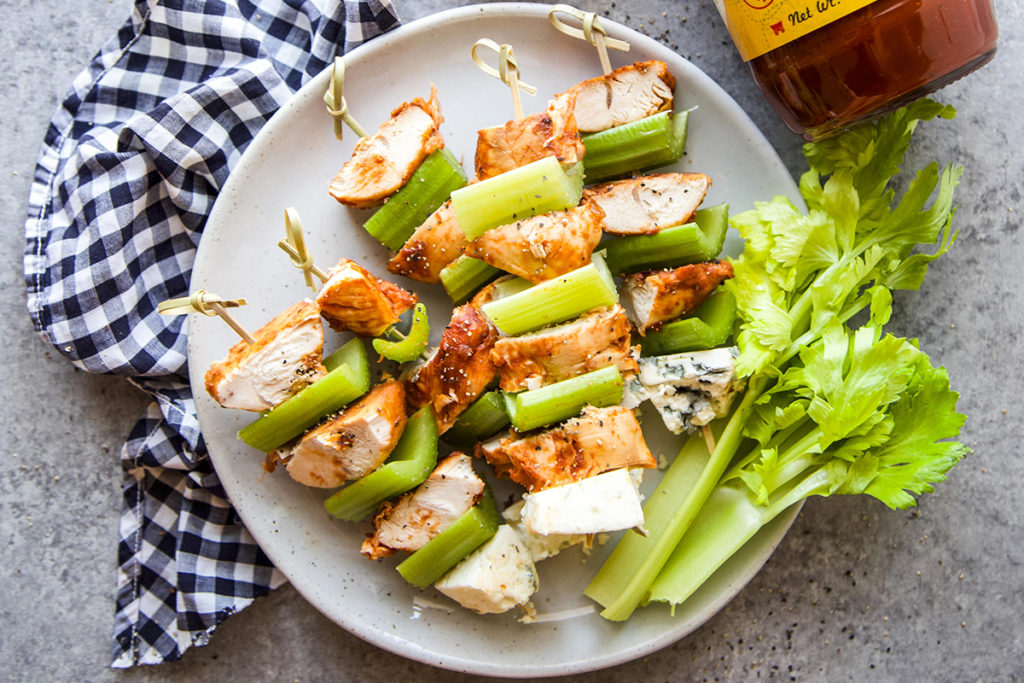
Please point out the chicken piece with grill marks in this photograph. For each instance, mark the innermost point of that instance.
(542, 247)
(415, 518)
(353, 299)
(599, 440)
(657, 296)
(383, 162)
(353, 444)
(552, 132)
(435, 244)
(285, 359)
(629, 93)
(458, 371)
(647, 204)
(590, 342)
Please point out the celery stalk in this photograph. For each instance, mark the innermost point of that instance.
(484, 418)
(428, 188)
(448, 548)
(408, 466)
(554, 301)
(464, 276)
(709, 327)
(413, 345)
(649, 143)
(348, 379)
(536, 188)
(565, 399)
(693, 242)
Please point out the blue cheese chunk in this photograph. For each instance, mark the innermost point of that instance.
(691, 389)
(540, 547)
(605, 502)
(496, 577)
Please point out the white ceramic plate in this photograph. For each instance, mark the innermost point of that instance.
(290, 164)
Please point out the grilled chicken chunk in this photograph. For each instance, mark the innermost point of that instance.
(436, 243)
(353, 444)
(629, 93)
(591, 342)
(599, 440)
(383, 162)
(285, 358)
(353, 299)
(552, 132)
(649, 203)
(657, 296)
(459, 370)
(542, 247)
(415, 518)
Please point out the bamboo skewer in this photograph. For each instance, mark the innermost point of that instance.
(507, 71)
(591, 31)
(295, 246)
(206, 303)
(337, 107)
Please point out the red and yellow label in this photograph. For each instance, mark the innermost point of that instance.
(760, 26)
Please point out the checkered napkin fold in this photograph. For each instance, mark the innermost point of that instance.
(128, 173)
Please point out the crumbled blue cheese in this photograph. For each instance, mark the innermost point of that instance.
(496, 577)
(540, 547)
(691, 389)
(605, 502)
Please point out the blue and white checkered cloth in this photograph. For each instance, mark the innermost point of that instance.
(128, 173)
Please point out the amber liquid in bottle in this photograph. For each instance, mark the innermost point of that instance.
(874, 60)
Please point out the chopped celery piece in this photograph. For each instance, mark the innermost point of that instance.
(348, 379)
(693, 242)
(565, 399)
(484, 418)
(444, 551)
(428, 188)
(464, 276)
(554, 301)
(536, 188)
(709, 327)
(408, 466)
(414, 343)
(649, 143)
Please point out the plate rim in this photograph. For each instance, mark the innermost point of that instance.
(375, 636)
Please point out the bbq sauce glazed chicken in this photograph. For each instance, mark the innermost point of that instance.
(627, 94)
(353, 444)
(353, 299)
(415, 518)
(383, 162)
(658, 296)
(285, 359)
(435, 244)
(650, 203)
(552, 132)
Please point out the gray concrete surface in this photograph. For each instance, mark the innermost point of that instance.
(855, 592)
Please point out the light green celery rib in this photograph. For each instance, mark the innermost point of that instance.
(623, 582)
(565, 399)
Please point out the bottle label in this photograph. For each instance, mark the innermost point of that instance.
(760, 26)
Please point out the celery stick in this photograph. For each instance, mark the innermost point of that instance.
(414, 343)
(408, 466)
(464, 276)
(484, 418)
(428, 188)
(649, 143)
(536, 188)
(554, 301)
(565, 399)
(348, 379)
(709, 327)
(689, 243)
(444, 551)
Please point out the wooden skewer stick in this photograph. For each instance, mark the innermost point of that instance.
(507, 71)
(336, 104)
(591, 31)
(709, 438)
(203, 302)
(295, 246)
